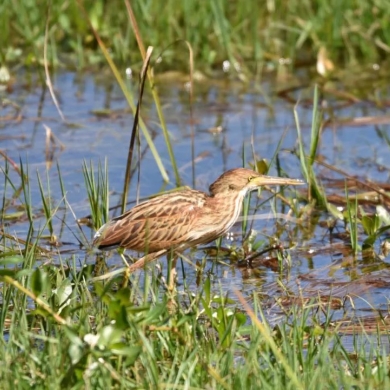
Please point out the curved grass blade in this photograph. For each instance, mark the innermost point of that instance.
(127, 94)
(154, 92)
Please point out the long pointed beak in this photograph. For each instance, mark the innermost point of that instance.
(277, 181)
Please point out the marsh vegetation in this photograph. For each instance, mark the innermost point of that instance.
(296, 296)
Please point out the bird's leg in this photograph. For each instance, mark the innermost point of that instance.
(126, 276)
(140, 263)
(121, 252)
(172, 274)
(145, 259)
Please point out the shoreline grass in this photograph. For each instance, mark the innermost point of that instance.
(249, 37)
(140, 337)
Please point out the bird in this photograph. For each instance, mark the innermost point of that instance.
(174, 222)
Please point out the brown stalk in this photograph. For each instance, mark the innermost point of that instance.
(372, 187)
(134, 131)
(45, 64)
(37, 300)
(11, 162)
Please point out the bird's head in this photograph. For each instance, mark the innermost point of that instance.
(244, 180)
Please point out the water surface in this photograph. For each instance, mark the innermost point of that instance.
(233, 125)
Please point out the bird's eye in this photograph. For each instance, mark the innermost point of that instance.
(250, 178)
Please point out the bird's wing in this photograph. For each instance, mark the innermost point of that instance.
(160, 223)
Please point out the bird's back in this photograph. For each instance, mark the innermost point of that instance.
(163, 222)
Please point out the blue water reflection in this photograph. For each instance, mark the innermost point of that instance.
(247, 122)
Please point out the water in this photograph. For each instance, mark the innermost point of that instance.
(249, 124)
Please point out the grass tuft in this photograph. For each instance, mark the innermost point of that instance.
(98, 192)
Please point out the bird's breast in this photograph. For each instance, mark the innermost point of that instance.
(217, 216)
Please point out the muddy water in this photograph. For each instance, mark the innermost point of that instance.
(231, 124)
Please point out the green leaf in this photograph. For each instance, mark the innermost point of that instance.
(241, 319)
(63, 292)
(73, 337)
(23, 273)
(39, 312)
(183, 320)
(207, 291)
(369, 241)
(382, 230)
(223, 300)
(155, 313)
(262, 166)
(118, 313)
(123, 349)
(335, 211)
(371, 224)
(39, 282)
(7, 272)
(75, 353)
(367, 224)
(15, 215)
(15, 259)
(109, 335)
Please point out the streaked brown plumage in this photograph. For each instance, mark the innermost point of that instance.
(185, 218)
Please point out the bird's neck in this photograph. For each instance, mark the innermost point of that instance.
(240, 195)
(229, 206)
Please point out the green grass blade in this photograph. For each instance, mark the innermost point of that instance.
(128, 96)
